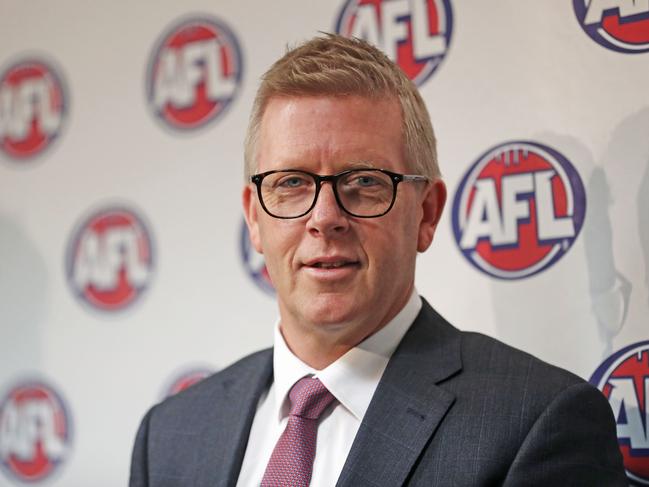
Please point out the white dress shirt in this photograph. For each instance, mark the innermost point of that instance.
(352, 379)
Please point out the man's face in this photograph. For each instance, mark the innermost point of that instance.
(335, 273)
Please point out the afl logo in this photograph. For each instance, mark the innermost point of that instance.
(35, 432)
(518, 210)
(186, 379)
(620, 25)
(624, 380)
(110, 259)
(194, 73)
(415, 34)
(254, 262)
(33, 105)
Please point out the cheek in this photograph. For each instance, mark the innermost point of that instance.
(279, 242)
(384, 247)
(394, 246)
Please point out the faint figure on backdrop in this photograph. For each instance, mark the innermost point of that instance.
(24, 298)
(643, 223)
(609, 290)
(366, 384)
(626, 156)
(625, 160)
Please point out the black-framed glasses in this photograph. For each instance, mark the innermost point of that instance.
(363, 193)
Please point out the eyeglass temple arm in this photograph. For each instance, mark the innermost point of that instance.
(415, 177)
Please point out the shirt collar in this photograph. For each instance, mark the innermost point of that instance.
(353, 378)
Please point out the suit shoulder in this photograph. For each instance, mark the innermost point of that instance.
(483, 356)
(507, 381)
(251, 369)
(244, 366)
(488, 357)
(475, 358)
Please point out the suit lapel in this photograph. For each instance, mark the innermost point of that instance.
(229, 424)
(407, 406)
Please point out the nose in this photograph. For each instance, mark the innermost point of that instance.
(326, 217)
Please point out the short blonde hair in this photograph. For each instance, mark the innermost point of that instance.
(338, 66)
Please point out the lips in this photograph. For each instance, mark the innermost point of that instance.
(331, 272)
(331, 263)
(331, 268)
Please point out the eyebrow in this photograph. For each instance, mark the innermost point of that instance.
(362, 164)
(353, 164)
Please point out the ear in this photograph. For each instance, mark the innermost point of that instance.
(432, 203)
(249, 200)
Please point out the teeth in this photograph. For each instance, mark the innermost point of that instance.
(332, 265)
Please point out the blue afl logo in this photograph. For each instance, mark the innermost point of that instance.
(415, 34)
(194, 72)
(518, 209)
(624, 379)
(619, 25)
(254, 262)
(110, 259)
(33, 108)
(35, 431)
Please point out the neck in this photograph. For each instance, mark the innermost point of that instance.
(319, 345)
(318, 350)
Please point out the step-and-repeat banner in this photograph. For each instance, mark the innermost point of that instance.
(126, 273)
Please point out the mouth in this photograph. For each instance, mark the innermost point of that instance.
(333, 265)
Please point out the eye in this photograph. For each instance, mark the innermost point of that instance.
(365, 180)
(292, 181)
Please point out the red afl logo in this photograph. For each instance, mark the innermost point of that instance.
(110, 259)
(415, 34)
(620, 25)
(32, 108)
(518, 209)
(185, 379)
(624, 380)
(194, 73)
(35, 432)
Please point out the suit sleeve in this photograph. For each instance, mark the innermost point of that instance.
(139, 460)
(572, 443)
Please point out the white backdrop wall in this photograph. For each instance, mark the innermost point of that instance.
(123, 260)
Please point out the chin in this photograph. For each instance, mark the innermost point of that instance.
(331, 309)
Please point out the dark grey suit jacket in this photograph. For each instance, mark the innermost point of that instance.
(452, 409)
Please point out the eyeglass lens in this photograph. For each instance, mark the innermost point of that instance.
(288, 194)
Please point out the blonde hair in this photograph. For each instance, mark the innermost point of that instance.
(338, 66)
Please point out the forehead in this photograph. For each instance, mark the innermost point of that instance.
(330, 132)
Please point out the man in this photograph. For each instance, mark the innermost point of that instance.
(366, 383)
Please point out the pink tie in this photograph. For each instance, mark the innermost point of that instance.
(291, 463)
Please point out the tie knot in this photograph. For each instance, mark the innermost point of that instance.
(309, 398)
